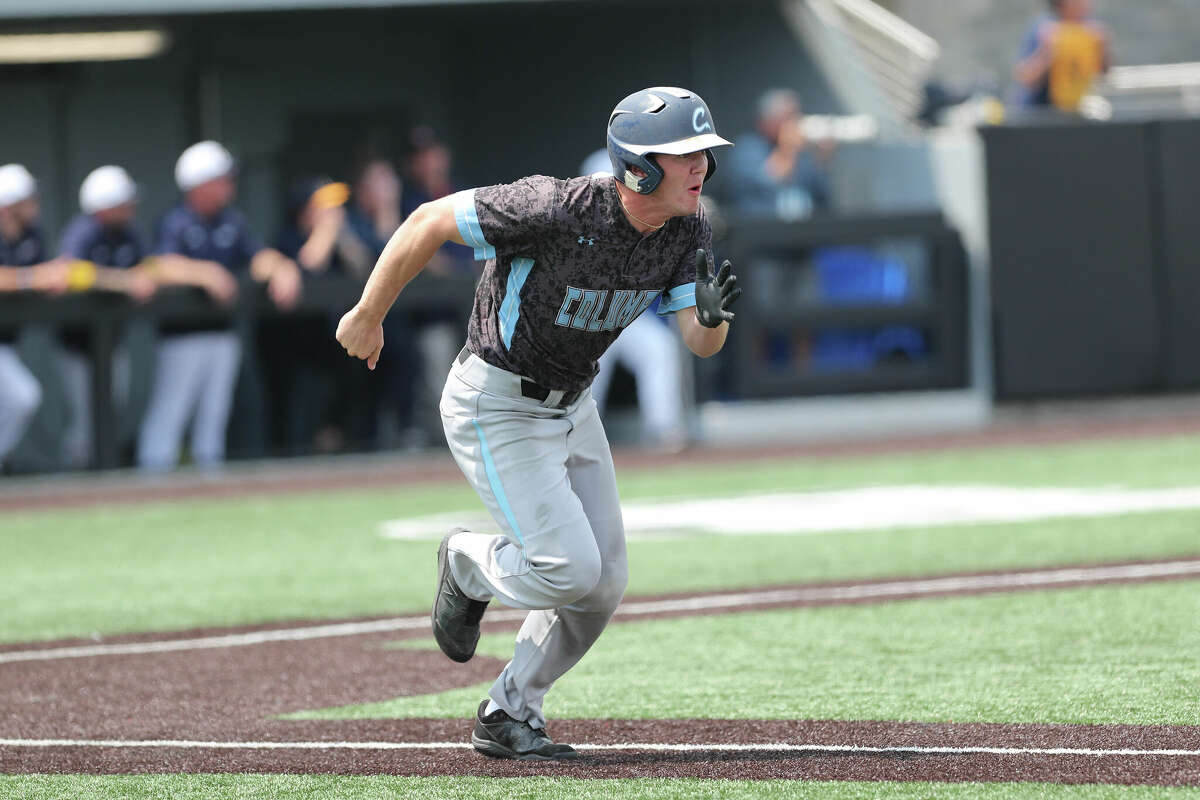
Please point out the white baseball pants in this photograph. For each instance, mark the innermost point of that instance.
(20, 396)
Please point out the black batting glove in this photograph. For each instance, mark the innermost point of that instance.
(714, 295)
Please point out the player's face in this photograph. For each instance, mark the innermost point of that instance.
(118, 216)
(1075, 10)
(683, 180)
(211, 196)
(26, 212)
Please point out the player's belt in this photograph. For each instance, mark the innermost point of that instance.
(531, 389)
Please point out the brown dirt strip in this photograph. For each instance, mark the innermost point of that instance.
(230, 694)
(816, 765)
(436, 466)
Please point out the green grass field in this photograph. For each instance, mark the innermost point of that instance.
(1113, 654)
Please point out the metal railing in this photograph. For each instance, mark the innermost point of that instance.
(103, 316)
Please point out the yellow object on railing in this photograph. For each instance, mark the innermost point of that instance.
(81, 276)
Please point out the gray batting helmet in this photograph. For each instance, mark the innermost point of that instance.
(663, 119)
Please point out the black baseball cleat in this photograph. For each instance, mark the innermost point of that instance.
(500, 736)
(455, 616)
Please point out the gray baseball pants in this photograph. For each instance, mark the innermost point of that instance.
(546, 475)
(195, 375)
(20, 396)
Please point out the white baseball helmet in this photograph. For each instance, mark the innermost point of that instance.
(16, 184)
(201, 163)
(106, 187)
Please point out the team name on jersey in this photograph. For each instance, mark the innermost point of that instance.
(602, 310)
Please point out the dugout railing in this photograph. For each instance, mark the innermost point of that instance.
(936, 306)
(103, 316)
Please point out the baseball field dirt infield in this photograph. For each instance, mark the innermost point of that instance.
(210, 700)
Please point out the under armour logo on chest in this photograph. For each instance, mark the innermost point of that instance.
(585, 240)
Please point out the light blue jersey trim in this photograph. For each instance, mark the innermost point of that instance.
(467, 220)
(493, 477)
(510, 309)
(677, 299)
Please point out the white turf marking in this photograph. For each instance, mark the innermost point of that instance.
(846, 510)
(1031, 579)
(779, 747)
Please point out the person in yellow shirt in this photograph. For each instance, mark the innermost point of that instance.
(1061, 56)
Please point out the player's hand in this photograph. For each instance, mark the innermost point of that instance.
(361, 335)
(139, 286)
(53, 277)
(219, 283)
(714, 295)
(792, 138)
(284, 285)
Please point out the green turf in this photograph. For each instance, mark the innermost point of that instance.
(1122, 654)
(327, 787)
(318, 555)
(1141, 463)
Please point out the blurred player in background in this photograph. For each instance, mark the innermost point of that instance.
(777, 172)
(204, 241)
(105, 251)
(435, 327)
(23, 267)
(375, 212)
(568, 265)
(305, 374)
(1061, 55)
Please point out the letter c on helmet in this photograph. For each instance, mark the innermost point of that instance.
(697, 115)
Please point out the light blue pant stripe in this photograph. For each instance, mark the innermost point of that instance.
(510, 309)
(493, 476)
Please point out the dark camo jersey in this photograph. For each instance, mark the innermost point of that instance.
(566, 272)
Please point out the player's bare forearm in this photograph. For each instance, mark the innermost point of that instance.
(168, 269)
(267, 262)
(171, 269)
(360, 330)
(406, 254)
(10, 279)
(702, 341)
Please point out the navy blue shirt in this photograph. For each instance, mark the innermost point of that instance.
(85, 238)
(225, 238)
(28, 249)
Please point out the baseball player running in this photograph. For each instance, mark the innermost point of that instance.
(570, 263)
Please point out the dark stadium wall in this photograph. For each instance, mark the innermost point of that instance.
(515, 89)
(1093, 257)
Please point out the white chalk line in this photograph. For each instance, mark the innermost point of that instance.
(1029, 579)
(773, 747)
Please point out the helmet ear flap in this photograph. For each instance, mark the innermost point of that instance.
(712, 165)
(622, 159)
